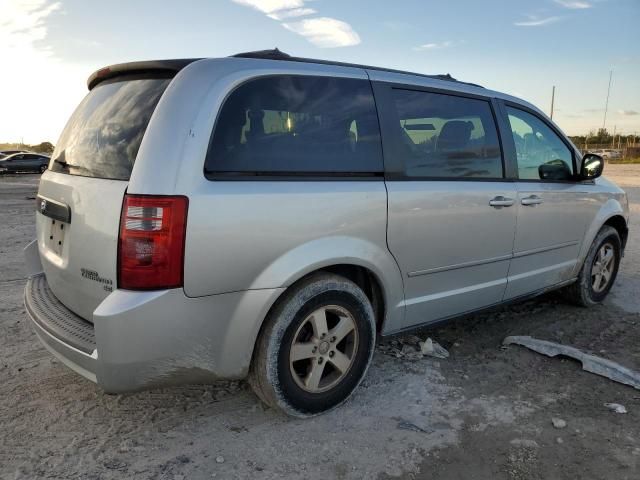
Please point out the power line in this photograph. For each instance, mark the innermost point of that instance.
(606, 105)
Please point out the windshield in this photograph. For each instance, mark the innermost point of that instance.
(103, 136)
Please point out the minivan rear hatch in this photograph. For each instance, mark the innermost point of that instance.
(80, 197)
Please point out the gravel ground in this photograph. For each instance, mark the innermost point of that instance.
(485, 412)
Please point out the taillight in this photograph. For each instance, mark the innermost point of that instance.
(151, 242)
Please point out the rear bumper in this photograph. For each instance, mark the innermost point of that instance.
(151, 339)
(63, 333)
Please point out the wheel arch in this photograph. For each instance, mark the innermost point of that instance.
(365, 263)
(612, 214)
(620, 224)
(366, 279)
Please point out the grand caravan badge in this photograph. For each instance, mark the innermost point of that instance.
(107, 283)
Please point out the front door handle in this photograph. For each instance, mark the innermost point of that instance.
(531, 200)
(501, 201)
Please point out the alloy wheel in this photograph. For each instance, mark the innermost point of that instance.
(323, 348)
(602, 268)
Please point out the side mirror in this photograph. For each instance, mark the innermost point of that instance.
(592, 166)
(554, 170)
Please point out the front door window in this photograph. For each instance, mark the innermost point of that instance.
(541, 154)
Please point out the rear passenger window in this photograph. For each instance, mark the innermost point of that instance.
(444, 136)
(287, 124)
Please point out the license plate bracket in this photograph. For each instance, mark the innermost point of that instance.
(56, 235)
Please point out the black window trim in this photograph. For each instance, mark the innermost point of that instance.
(574, 154)
(382, 93)
(294, 176)
(262, 176)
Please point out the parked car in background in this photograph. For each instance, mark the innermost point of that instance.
(6, 153)
(24, 162)
(607, 153)
(249, 227)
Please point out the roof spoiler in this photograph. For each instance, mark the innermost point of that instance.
(132, 68)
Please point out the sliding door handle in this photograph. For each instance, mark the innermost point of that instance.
(501, 201)
(531, 200)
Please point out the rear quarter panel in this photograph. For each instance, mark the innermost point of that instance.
(253, 235)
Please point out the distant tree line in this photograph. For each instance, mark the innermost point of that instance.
(602, 136)
(44, 147)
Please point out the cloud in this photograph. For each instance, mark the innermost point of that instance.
(325, 32)
(535, 21)
(433, 46)
(23, 25)
(45, 79)
(628, 112)
(294, 12)
(271, 6)
(573, 4)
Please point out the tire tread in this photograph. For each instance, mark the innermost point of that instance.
(263, 372)
(579, 293)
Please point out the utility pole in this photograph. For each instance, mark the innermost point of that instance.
(553, 95)
(613, 139)
(606, 105)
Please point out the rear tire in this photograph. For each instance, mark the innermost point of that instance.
(599, 270)
(315, 346)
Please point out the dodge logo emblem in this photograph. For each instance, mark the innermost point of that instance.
(43, 205)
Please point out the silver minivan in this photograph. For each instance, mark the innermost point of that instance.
(269, 217)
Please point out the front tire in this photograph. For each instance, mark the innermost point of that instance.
(599, 270)
(315, 346)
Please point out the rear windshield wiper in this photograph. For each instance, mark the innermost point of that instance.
(69, 166)
(61, 162)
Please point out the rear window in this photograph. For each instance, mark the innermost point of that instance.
(445, 136)
(103, 136)
(283, 125)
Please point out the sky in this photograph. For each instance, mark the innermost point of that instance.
(48, 48)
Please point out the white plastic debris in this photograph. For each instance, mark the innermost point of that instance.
(558, 423)
(590, 363)
(219, 459)
(433, 349)
(616, 407)
(407, 349)
(412, 348)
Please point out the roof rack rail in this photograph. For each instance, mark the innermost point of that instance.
(276, 54)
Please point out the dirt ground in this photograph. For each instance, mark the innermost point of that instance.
(483, 413)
